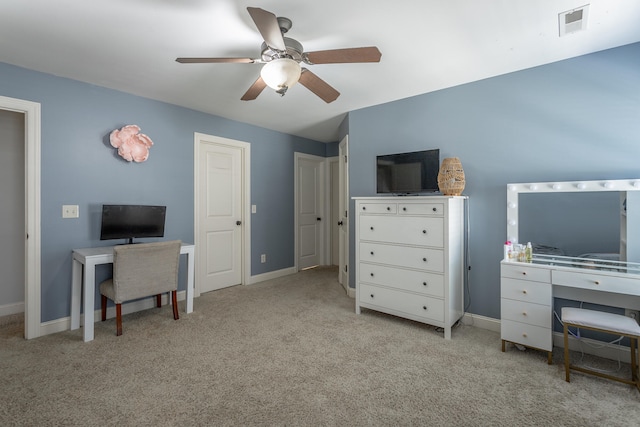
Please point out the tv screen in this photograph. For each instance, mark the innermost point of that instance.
(408, 173)
(132, 221)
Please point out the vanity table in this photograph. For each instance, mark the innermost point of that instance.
(528, 289)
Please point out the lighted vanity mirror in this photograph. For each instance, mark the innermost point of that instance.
(576, 218)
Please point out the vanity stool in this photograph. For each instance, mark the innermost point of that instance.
(603, 322)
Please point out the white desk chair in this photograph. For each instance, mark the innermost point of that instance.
(603, 322)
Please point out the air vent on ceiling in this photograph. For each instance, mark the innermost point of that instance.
(573, 20)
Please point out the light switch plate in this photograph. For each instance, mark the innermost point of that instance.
(70, 211)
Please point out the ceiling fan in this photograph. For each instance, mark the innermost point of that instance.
(282, 56)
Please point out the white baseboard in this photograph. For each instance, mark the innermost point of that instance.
(271, 275)
(481, 322)
(9, 309)
(64, 323)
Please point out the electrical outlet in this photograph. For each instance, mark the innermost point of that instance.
(70, 211)
(634, 314)
(263, 258)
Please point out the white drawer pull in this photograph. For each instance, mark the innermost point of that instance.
(524, 335)
(524, 291)
(524, 313)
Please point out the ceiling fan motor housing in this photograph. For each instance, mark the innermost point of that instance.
(294, 51)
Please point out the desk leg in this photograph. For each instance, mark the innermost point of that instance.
(190, 281)
(89, 291)
(76, 293)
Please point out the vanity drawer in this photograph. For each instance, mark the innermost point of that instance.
(598, 282)
(525, 312)
(408, 280)
(525, 334)
(391, 300)
(406, 230)
(378, 208)
(433, 209)
(402, 256)
(525, 290)
(525, 272)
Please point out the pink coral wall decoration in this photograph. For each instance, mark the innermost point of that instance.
(131, 144)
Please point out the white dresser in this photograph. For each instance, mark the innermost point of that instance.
(410, 257)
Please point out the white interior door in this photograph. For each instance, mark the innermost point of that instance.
(310, 209)
(220, 216)
(343, 206)
(334, 217)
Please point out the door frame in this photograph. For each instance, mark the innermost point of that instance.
(325, 209)
(344, 202)
(245, 147)
(33, 289)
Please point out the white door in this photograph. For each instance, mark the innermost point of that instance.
(334, 218)
(219, 215)
(310, 207)
(343, 221)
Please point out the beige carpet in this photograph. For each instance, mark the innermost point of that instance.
(292, 352)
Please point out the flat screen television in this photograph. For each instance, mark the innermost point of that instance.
(408, 173)
(132, 221)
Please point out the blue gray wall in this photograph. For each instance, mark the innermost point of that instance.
(80, 167)
(577, 119)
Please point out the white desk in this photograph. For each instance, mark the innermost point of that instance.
(528, 290)
(83, 278)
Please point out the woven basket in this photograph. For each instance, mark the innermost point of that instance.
(451, 177)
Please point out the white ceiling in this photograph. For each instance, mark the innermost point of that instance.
(426, 45)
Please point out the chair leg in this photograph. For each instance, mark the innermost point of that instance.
(159, 300)
(103, 305)
(118, 319)
(566, 352)
(174, 300)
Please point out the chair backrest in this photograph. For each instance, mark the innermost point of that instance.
(145, 269)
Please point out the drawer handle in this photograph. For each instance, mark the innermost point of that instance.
(524, 335)
(597, 282)
(424, 307)
(371, 252)
(435, 209)
(424, 283)
(524, 313)
(388, 208)
(524, 291)
(424, 231)
(424, 259)
(371, 274)
(364, 208)
(404, 209)
(371, 295)
(524, 273)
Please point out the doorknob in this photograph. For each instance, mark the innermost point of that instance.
(238, 222)
(339, 222)
(318, 219)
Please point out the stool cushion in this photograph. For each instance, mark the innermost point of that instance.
(615, 323)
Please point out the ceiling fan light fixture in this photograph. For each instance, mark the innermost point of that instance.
(280, 74)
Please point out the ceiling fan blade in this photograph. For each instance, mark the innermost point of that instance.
(256, 88)
(268, 26)
(318, 86)
(344, 56)
(215, 60)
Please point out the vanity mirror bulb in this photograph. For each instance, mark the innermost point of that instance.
(608, 185)
(581, 186)
(512, 205)
(533, 187)
(512, 222)
(557, 186)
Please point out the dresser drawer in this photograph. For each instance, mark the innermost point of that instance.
(377, 208)
(598, 282)
(386, 299)
(525, 334)
(525, 272)
(420, 231)
(409, 280)
(525, 290)
(525, 312)
(433, 209)
(402, 256)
